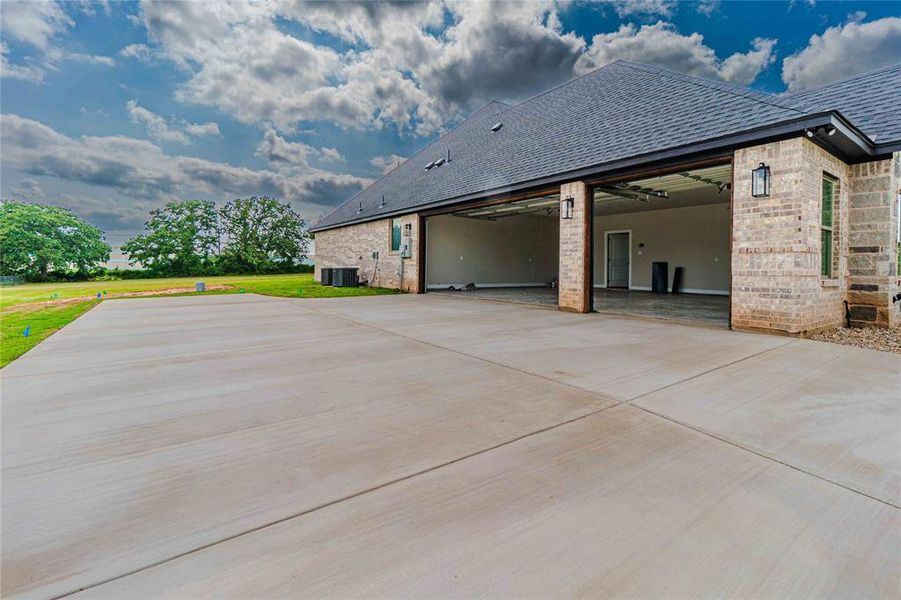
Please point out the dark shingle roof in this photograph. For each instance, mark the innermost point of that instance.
(620, 111)
(871, 101)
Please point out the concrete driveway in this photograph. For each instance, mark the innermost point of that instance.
(402, 446)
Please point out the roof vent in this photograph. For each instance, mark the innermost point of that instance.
(382, 203)
(360, 209)
(430, 165)
(439, 162)
(496, 127)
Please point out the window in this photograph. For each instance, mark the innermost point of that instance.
(826, 227)
(395, 235)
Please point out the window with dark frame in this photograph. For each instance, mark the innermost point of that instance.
(827, 230)
(395, 235)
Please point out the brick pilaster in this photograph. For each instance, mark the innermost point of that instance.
(873, 243)
(575, 249)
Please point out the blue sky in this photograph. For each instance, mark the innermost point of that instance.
(112, 109)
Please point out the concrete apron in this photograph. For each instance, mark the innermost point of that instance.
(415, 446)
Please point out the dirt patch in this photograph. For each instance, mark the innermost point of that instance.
(887, 340)
(163, 292)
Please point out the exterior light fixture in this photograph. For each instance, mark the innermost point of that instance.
(830, 130)
(809, 133)
(566, 208)
(760, 181)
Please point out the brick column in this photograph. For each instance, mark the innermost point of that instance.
(575, 250)
(873, 243)
(776, 282)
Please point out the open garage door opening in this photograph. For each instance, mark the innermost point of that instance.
(662, 248)
(507, 251)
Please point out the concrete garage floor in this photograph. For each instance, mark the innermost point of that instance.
(695, 308)
(404, 446)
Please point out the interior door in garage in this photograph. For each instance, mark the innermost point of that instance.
(618, 260)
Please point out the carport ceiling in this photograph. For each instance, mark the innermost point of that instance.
(545, 206)
(675, 190)
(685, 188)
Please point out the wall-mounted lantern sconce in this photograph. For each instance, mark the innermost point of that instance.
(566, 208)
(760, 181)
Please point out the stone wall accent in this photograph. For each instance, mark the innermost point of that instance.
(776, 282)
(352, 246)
(873, 243)
(575, 250)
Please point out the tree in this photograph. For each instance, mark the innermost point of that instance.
(40, 241)
(182, 238)
(263, 235)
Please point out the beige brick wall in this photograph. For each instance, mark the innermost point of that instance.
(575, 250)
(352, 246)
(873, 243)
(776, 282)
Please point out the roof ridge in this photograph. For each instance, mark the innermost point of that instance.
(841, 81)
(722, 86)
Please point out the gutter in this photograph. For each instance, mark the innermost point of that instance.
(852, 146)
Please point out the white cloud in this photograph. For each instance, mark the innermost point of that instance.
(660, 44)
(331, 154)
(164, 130)
(400, 71)
(139, 52)
(629, 8)
(282, 154)
(59, 55)
(844, 51)
(141, 172)
(416, 66)
(293, 157)
(708, 7)
(34, 22)
(157, 127)
(202, 129)
(20, 72)
(387, 162)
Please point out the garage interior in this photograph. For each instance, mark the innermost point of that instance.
(510, 251)
(510, 248)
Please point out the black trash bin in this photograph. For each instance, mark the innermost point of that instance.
(325, 276)
(345, 277)
(659, 277)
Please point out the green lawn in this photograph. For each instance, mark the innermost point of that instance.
(49, 306)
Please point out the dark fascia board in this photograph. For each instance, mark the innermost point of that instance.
(888, 148)
(851, 145)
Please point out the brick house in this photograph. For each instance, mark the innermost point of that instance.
(772, 212)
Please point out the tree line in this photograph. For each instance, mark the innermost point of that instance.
(183, 238)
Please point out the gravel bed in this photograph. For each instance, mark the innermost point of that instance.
(887, 340)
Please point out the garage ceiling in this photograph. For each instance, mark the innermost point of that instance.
(547, 206)
(686, 188)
